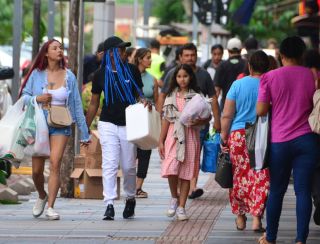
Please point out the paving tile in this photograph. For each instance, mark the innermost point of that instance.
(81, 219)
(203, 212)
(224, 229)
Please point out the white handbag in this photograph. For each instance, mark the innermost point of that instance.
(143, 126)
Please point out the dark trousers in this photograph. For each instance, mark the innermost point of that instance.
(300, 156)
(316, 187)
(143, 157)
(316, 182)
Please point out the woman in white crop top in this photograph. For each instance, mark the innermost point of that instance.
(49, 67)
(59, 96)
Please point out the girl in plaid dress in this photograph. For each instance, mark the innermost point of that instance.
(179, 146)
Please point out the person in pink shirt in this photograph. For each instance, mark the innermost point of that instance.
(287, 93)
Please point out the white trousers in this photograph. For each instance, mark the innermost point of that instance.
(115, 149)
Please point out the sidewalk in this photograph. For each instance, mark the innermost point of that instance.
(81, 221)
(224, 231)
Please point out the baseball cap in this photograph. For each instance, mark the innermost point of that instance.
(114, 41)
(234, 44)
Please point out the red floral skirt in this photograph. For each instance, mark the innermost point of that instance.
(250, 187)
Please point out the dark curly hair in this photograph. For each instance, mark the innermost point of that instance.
(259, 61)
(293, 47)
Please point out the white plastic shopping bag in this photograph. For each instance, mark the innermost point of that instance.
(9, 126)
(41, 146)
(197, 108)
(261, 142)
(5, 99)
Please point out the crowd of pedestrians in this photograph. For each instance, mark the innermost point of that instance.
(249, 86)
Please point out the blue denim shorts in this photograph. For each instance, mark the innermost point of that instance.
(65, 131)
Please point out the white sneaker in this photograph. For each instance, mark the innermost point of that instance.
(52, 215)
(38, 207)
(181, 214)
(172, 207)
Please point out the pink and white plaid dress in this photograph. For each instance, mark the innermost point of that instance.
(190, 167)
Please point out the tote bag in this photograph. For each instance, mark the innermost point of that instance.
(224, 176)
(211, 149)
(257, 142)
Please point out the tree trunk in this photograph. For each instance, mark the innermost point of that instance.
(36, 27)
(73, 35)
(62, 23)
(68, 157)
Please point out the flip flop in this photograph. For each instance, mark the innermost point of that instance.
(244, 225)
(263, 240)
(260, 230)
(141, 194)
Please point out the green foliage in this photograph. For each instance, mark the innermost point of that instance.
(119, 2)
(3, 175)
(7, 202)
(263, 24)
(6, 17)
(169, 11)
(86, 98)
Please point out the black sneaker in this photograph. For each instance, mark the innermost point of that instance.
(109, 214)
(128, 211)
(316, 215)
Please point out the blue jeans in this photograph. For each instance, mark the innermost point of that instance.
(299, 156)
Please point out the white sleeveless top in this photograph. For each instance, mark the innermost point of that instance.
(59, 96)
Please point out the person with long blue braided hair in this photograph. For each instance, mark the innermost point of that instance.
(122, 85)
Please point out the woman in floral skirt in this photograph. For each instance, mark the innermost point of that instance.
(250, 187)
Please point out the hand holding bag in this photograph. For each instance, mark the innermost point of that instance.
(59, 116)
(224, 176)
(197, 108)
